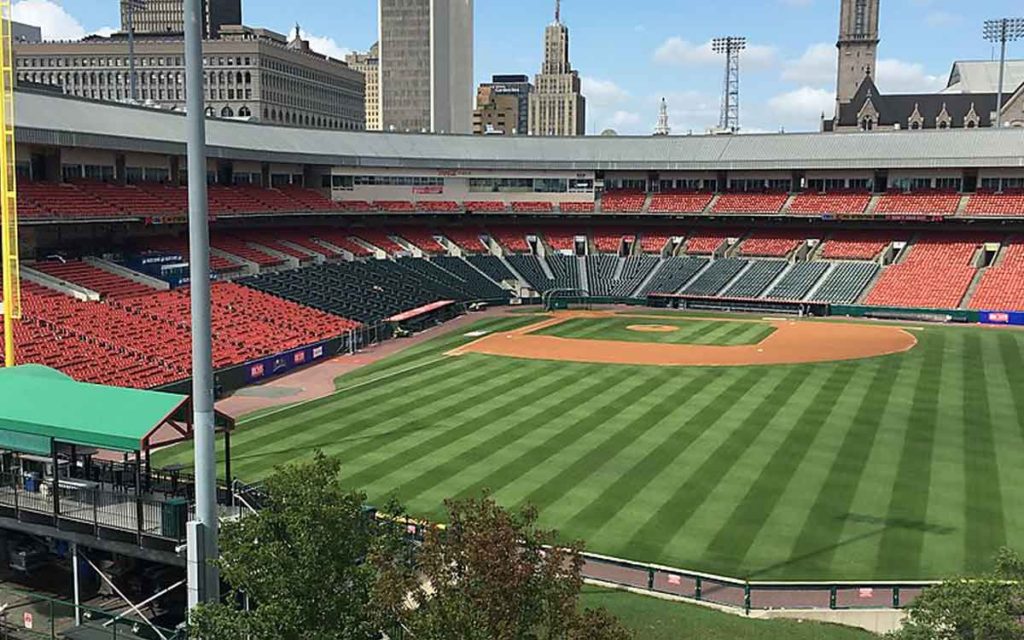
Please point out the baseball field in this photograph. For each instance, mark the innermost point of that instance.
(860, 452)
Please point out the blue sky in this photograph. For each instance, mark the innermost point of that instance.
(630, 54)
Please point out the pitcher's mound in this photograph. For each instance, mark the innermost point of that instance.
(652, 328)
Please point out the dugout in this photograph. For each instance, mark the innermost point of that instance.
(742, 305)
(424, 317)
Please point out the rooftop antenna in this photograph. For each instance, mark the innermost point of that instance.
(731, 46)
(558, 11)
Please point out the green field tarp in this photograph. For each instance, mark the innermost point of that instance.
(38, 403)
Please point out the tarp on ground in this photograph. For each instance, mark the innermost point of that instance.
(38, 404)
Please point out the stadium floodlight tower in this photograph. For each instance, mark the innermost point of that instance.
(1002, 31)
(731, 46)
(203, 578)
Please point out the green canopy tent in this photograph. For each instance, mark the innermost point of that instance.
(42, 409)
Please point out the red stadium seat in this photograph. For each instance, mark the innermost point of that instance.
(706, 242)
(750, 203)
(108, 285)
(680, 202)
(534, 207)
(623, 201)
(485, 206)
(561, 239)
(577, 207)
(919, 203)
(1009, 204)
(825, 203)
(774, 244)
(512, 238)
(856, 245)
(935, 275)
(1002, 286)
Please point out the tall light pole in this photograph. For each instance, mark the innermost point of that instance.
(731, 47)
(130, 7)
(1002, 31)
(199, 275)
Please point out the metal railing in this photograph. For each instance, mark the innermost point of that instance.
(95, 508)
(34, 616)
(751, 595)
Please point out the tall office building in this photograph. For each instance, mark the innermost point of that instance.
(503, 105)
(557, 107)
(168, 16)
(426, 65)
(368, 64)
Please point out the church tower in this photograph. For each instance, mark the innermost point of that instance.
(858, 46)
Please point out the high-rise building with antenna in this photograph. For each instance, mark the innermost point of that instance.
(557, 106)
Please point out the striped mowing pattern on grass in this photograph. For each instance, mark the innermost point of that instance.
(901, 467)
(692, 331)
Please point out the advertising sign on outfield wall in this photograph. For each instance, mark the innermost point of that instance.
(1002, 317)
(275, 365)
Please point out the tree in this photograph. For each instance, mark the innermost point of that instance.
(301, 561)
(987, 608)
(492, 574)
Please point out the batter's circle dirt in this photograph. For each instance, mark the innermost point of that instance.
(793, 342)
(652, 328)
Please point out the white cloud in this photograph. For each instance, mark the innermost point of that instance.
(682, 53)
(622, 118)
(802, 106)
(602, 93)
(325, 45)
(56, 23)
(897, 76)
(817, 66)
(942, 19)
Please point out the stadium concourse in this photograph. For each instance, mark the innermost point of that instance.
(317, 237)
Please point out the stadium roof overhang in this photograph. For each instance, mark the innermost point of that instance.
(42, 406)
(70, 122)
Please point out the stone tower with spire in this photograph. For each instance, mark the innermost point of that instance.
(858, 46)
(557, 106)
(663, 129)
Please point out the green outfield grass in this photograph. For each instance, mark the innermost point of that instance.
(689, 331)
(901, 467)
(655, 619)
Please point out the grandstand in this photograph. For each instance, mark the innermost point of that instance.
(301, 263)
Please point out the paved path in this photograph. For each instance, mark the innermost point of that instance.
(317, 381)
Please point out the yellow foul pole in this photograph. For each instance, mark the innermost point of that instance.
(8, 188)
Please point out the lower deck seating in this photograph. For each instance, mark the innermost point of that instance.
(716, 277)
(652, 241)
(144, 341)
(856, 245)
(798, 281)
(561, 239)
(492, 267)
(600, 273)
(706, 242)
(566, 270)
(108, 285)
(635, 270)
(466, 239)
(219, 265)
(241, 249)
(512, 238)
(672, 274)
(478, 285)
(756, 279)
(772, 244)
(368, 291)
(529, 268)
(846, 282)
(936, 274)
(1002, 286)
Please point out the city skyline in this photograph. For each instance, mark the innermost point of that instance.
(658, 49)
